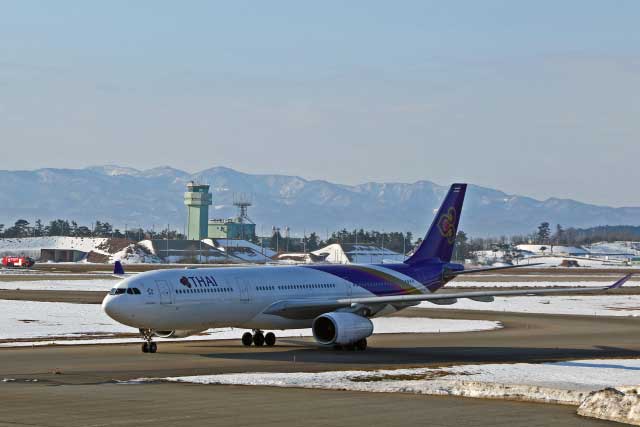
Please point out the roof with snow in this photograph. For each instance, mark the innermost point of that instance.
(346, 253)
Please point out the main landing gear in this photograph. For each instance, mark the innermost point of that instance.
(258, 338)
(360, 345)
(148, 346)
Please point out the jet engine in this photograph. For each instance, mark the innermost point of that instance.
(338, 328)
(174, 334)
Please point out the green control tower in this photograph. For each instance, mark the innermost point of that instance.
(198, 199)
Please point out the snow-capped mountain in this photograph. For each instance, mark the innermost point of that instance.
(123, 195)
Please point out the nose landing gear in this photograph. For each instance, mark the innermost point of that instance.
(148, 346)
(258, 339)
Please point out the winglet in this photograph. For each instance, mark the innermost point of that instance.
(621, 282)
(117, 268)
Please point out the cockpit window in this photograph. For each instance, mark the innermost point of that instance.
(121, 291)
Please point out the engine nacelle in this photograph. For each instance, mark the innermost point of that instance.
(341, 328)
(174, 334)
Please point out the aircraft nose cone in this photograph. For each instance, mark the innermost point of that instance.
(111, 307)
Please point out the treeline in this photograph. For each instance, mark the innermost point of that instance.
(546, 235)
(395, 241)
(63, 227)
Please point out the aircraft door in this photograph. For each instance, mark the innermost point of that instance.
(243, 288)
(165, 292)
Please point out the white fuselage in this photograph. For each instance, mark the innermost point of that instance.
(199, 299)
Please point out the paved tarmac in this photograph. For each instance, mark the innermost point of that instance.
(75, 383)
(207, 405)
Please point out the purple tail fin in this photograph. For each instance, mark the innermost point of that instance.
(117, 268)
(439, 241)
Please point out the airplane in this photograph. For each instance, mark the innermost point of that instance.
(335, 301)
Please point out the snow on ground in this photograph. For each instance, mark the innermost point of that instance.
(61, 285)
(28, 319)
(555, 261)
(580, 377)
(600, 305)
(554, 249)
(572, 383)
(610, 248)
(540, 284)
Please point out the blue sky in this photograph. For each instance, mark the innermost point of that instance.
(536, 98)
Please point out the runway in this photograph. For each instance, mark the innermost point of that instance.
(86, 374)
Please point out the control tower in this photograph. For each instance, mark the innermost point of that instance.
(197, 199)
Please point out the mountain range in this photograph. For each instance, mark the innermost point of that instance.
(154, 197)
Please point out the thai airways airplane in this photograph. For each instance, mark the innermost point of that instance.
(335, 301)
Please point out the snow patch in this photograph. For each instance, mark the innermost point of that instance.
(578, 382)
(62, 285)
(635, 281)
(597, 305)
(613, 404)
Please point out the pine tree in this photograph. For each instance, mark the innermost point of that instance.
(313, 242)
(544, 232)
(39, 228)
(21, 227)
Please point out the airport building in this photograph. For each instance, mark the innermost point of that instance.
(197, 198)
(232, 228)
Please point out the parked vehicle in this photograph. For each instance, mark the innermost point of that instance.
(17, 262)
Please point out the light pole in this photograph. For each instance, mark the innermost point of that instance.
(404, 246)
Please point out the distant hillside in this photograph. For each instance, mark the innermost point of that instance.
(143, 198)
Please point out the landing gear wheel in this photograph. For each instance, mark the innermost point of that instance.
(247, 339)
(350, 347)
(148, 346)
(258, 339)
(270, 339)
(361, 345)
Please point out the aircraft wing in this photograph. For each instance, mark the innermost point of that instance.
(309, 308)
(304, 308)
(448, 274)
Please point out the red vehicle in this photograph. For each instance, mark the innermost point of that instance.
(17, 261)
